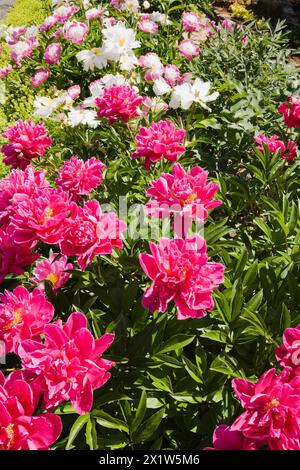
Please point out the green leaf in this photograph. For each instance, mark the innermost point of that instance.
(148, 427)
(107, 421)
(140, 412)
(80, 422)
(91, 434)
(176, 342)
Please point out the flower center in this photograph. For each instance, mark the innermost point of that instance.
(121, 41)
(48, 213)
(271, 404)
(18, 317)
(53, 278)
(11, 435)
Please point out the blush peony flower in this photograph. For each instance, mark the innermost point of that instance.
(64, 12)
(226, 439)
(52, 270)
(19, 428)
(41, 218)
(48, 23)
(39, 77)
(171, 74)
(153, 65)
(160, 140)
(73, 92)
(185, 195)
(271, 409)
(190, 21)
(76, 32)
(26, 141)
(288, 354)
(290, 110)
(68, 365)
(52, 53)
(21, 50)
(13, 257)
(19, 186)
(180, 271)
(286, 151)
(23, 315)
(188, 49)
(147, 26)
(79, 178)
(118, 102)
(89, 232)
(93, 13)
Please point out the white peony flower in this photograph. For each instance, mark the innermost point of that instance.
(184, 95)
(200, 91)
(91, 59)
(82, 116)
(128, 61)
(161, 87)
(118, 40)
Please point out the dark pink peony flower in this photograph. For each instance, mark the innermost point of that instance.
(89, 232)
(18, 186)
(13, 257)
(19, 428)
(78, 177)
(224, 438)
(23, 315)
(52, 270)
(180, 272)
(185, 195)
(52, 53)
(39, 77)
(68, 366)
(290, 110)
(288, 354)
(26, 141)
(286, 151)
(160, 140)
(271, 409)
(42, 217)
(118, 102)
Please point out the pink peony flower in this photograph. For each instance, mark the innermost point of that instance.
(180, 271)
(224, 438)
(26, 141)
(19, 186)
(42, 217)
(64, 12)
(228, 25)
(79, 178)
(286, 151)
(245, 40)
(68, 365)
(171, 74)
(49, 22)
(118, 102)
(73, 92)
(21, 50)
(271, 409)
(93, 13)
(290, 110)
(19, 428)
(288, 354)
(190, 21)
(188, 49)
(52, 270)
(89, 232)
(57, 34)
(147, 26)
(39, 77)
(5, 71)
(13, 257)
(160, 140)
(185, 195)
(23, 315)
(76, 32)
(52, 53)
(15, 34)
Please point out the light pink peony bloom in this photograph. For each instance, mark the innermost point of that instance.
(49, 22)
(42, 217)
(73, 92)
(21, 50)
(185, 195)
(13, 257)
(58, 33)
(188, 49)
(68, 366)
(271, 409)
(171, 74)
(15, 34)
(190, 21)
(89, 232)
(78, 177)
(288, 354)
(228, 25)
(153, 65)
(19, 428)
(23, 315)
(147, 26)
(118, 102)
(5, 71)
(226, 439)
(64, 12)
(290, 110)
(18, 186)
(180, 272)
(52, 53)
(39, 77)
(26, 141)
(53, 271)
(93, 13)
(76, 32)
(160, 140)
(286, 151)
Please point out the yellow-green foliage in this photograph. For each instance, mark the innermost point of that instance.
(240, 12)
(28, 12)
